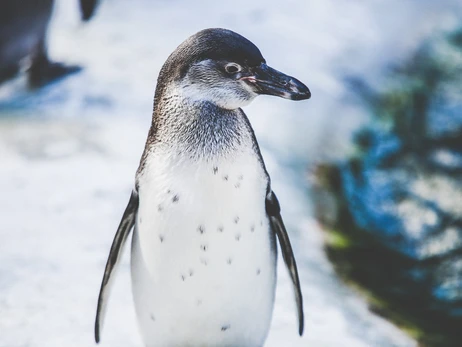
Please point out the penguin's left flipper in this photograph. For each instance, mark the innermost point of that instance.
(125, 226)
(277, 225)
(87, 8)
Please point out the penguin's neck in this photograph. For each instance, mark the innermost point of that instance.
(197, 128)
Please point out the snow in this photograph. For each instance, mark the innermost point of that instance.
(69, 154)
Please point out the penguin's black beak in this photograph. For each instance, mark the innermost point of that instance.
(266, 80)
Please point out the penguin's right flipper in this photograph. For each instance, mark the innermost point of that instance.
(125, 226)
(87, 8)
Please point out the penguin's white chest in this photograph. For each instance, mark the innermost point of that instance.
(203, 255)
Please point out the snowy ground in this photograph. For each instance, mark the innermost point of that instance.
(69, 154)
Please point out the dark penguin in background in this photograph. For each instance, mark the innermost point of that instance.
(23, 29)
(204, 214)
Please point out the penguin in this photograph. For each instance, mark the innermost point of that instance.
(204, 215)
(23, 28)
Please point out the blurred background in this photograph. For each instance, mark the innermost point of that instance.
(368, 172)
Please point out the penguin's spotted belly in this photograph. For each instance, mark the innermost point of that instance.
(203, 265)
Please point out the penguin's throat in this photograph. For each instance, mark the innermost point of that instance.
(198, 128)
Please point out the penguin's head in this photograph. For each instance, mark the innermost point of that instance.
(224, 68)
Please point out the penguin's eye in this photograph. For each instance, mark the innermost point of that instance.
(232, 68)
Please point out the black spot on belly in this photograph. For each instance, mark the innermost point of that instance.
(236, 219)
(215, 170)
(204, 248)
(229, 261)
(183, 277)
(225, 177)
(237, 185)
(201, 229)
(199, 302)
(161, 238)
(252, 228)
(221, 228)
(159, 208)
(169, 191)
(175, 198)
(204, 261)
(237, 237)
(241, 177)
(141, 220)
(153, 318)
(191, 272)
(258, 271)
(225, 327)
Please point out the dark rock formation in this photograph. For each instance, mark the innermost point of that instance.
(394, 210)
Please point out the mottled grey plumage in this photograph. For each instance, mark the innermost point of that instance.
(203, 205)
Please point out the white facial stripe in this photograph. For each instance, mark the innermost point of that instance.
(204, 82)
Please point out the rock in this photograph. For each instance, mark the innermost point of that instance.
(398, 202)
